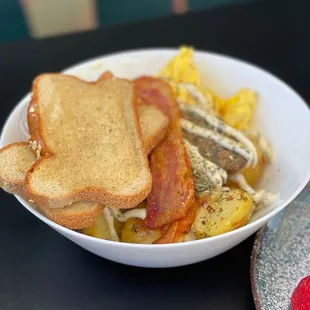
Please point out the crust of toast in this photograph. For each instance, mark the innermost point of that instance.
(102, 195)
(77, 216)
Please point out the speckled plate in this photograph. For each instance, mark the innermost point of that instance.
(281, 255)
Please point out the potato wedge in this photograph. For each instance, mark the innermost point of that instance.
(135, 231)
(225, 212)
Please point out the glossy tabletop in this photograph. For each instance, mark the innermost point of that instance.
(39, 269)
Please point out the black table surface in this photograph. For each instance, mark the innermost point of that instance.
(40, 269)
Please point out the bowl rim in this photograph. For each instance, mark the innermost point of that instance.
(253, 268)
(257, 223)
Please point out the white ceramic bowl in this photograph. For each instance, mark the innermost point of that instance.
(282, 116)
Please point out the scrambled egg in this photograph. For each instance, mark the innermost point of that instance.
(237, 111)
(181, 69)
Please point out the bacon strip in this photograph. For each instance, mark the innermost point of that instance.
(106, 75)
(172, 195)
(179, 229)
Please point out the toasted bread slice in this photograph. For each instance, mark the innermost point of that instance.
(153, 125)
(91, 137)
(81, 214)
(15, 160)
(153, 122)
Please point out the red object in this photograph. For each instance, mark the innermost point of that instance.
(300, 299)
(172, 195)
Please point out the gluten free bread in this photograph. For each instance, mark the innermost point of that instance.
(91, 139)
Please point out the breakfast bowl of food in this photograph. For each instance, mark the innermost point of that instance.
(159, 157)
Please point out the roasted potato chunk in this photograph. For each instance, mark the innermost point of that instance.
(225, 212)
(253, 174)
(135, 231)
(99, 229)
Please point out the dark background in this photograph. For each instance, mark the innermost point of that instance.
(39, 269)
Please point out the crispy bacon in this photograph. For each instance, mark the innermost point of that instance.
(172, 195)
(178, 230)
(106, 75)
